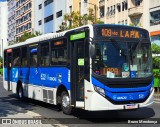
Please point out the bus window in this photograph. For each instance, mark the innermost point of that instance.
(33, 56)
(16, 57)
(58, 53)
(24, 56)
(44, 54)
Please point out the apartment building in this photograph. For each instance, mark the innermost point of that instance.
(126, 12)
(3, 26)
(49, 14)
(24, 17)
(11, 21)
(154, 21)
(83, 5)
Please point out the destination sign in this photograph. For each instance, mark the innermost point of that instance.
(121, 32)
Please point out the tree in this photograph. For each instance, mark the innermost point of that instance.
(26, 36)
(75, 19)
(138, 25)
(156, 52)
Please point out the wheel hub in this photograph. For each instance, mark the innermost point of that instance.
(65, 101)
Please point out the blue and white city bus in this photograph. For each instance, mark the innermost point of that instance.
(93, 67)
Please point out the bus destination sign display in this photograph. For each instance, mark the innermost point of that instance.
(77, 36)
(123, 33)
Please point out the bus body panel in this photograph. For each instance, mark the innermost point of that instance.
(96, 102)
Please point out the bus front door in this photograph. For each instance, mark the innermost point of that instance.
(9, 64)
(77, 72)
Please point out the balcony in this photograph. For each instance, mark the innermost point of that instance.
(101, 3)
(134, 11)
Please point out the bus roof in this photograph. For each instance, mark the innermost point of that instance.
(43, 37)
(60, 34)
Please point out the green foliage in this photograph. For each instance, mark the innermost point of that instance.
(75, 19)
(137, 25)
(26, 36)
(155, 49)
(157, 74)
(156, 60)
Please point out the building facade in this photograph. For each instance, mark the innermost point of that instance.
(24, 17)
(154, 21)
(3, 26)
(125, 12)
(11, 21)
(49, 14)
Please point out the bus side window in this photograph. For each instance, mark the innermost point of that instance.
(33, 56)
(59, 52)
(44, 56)
(24, 56)
(16, 57)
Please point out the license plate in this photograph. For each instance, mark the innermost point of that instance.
(131, 106)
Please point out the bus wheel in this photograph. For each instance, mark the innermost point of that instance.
(65, 103)
(20, 92)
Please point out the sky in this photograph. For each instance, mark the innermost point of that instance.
(2, 0)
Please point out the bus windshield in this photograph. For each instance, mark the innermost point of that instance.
(122, 59)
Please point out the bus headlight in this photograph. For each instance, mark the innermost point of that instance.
(151, 89)
(99, 90)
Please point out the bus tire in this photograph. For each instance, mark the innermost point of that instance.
(20, 92)
(65, 103)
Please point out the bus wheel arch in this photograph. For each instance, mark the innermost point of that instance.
(60, 89)
(19, 90)
(63, 100)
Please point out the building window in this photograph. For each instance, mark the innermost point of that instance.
(155, 18)
(70, 8)
(119, 7)
(126, 21)
(136, 21)
(59, 14)
(137, 2)
(80, 7)
(40, 6)
(47, 2)
(126, 5)
(123, 6)
(101, 11)
(49, 18)
(122, 22)
(40, 22)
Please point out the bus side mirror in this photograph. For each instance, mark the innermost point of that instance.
(92, 50)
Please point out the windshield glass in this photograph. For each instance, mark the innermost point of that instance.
(122, 59)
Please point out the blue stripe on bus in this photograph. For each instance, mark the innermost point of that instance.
(118, 90)
(124, 94)
(47, 77)
(127, 96)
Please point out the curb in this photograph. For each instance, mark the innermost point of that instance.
(157, 98)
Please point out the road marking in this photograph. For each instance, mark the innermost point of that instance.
(156, 102)
(30, 113)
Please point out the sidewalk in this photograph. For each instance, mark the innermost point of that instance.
(157, 96)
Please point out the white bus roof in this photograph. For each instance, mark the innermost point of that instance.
(43, 38)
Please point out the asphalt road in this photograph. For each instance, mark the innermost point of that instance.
(10, 106)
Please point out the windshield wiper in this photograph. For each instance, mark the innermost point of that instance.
(115, 44)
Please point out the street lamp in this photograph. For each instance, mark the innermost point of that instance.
(94, 9)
